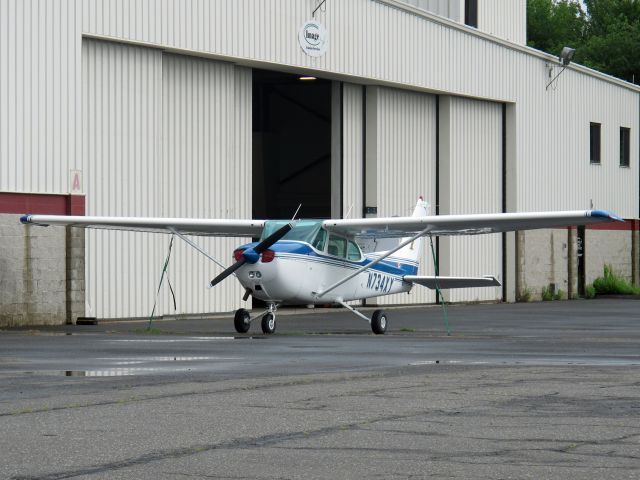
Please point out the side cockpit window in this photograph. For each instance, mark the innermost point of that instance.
(319, 241)
(337, 246)
(353, 251)
(343, 248)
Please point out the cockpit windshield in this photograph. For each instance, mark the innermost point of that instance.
(304, 231)
(311, 232)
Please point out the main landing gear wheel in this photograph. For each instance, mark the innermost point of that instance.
(379, 322)
(242, 321)
(268, 323)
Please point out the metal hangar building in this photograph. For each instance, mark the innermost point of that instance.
(246, 108)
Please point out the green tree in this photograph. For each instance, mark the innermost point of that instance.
(552, 25)
(605, 34)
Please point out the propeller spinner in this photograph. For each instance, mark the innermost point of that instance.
(252, 255)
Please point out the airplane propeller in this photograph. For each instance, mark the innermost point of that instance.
(252, 255)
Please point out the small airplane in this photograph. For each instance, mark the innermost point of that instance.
(308, 262)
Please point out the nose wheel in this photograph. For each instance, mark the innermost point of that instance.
(268, 323)
(242, 320)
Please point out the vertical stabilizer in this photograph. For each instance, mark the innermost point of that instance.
(408, 257)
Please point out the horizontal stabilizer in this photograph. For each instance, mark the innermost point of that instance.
(452, 282)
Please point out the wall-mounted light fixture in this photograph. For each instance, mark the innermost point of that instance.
(564, 59)
(566, 55)
(306, 79)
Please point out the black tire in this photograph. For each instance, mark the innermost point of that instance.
(242, 321)
(268, 323)
(379, 322)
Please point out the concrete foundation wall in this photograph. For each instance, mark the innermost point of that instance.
(544, 261)
(548, 258)
(41, 274)
(606, 247)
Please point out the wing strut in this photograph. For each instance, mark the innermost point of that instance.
(194, 245)
(372, 264)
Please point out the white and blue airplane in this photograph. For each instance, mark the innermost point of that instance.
(307, 262)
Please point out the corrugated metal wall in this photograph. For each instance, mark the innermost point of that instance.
(352, 150)
(42, 40)
(405, 159)
(417, 52)
(472, 183)
(121, 128)
(39, 100)
(164, 136)
(504, 18)
(452, 9)
(553, 165)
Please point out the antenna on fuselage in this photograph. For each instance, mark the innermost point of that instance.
(297, 210)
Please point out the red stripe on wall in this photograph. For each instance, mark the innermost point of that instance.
(628, 225)
(43, 204)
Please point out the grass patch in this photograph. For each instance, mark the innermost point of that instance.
(547, 294)
(589, 291)
(612, 284)
(409, 330)
(525, 295)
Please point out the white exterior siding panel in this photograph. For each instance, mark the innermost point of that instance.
(554, 172)
(122, 94)
(352, 150)
(452, 9)
(205, 153)
(406, 166)
(492, 15)
(39, 107)
(475, 187)
(165, 136)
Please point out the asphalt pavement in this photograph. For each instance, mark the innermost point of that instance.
(538, 390)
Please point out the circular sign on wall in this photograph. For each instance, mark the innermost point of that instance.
(313, 38)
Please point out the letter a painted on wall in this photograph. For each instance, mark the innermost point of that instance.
(76, 181)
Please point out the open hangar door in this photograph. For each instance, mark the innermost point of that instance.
(291, 145)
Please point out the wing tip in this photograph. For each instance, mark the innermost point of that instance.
(607, 215)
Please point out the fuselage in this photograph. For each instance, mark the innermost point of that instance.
(297, 272)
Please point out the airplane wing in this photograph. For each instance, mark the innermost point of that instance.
(185, 226)
(452, 282)
(392, 227)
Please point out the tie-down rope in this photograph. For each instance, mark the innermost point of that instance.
(164, 272)
(438, 291)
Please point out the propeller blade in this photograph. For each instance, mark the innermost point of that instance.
(256, 251)
(273, 238)
(227, 271)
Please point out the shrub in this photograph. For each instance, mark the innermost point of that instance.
(612, 284)
(559, 295)
(589, 291)
(547, 294)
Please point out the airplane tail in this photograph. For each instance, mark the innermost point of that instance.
(408, 257)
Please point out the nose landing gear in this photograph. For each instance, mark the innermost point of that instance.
(268, 323)
(242, 320)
